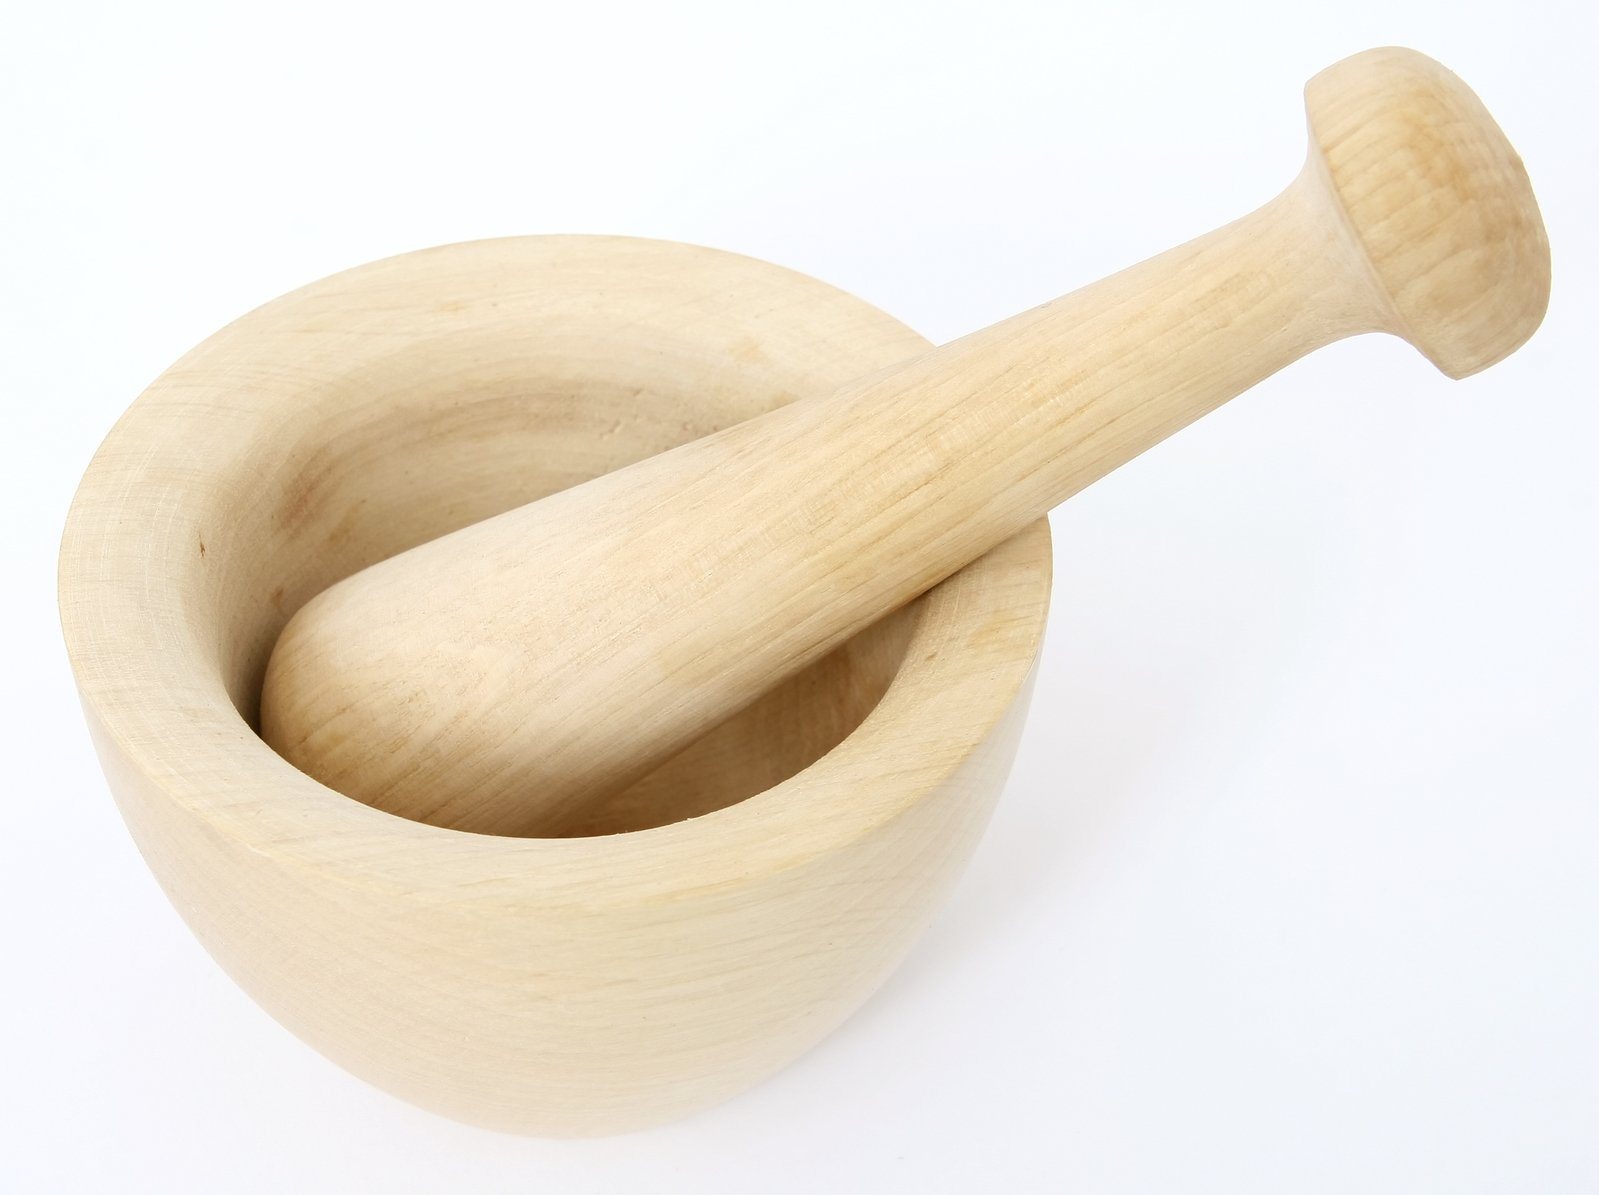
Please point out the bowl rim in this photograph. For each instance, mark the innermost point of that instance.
(168, 731)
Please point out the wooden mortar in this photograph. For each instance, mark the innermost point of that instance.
(549, 986)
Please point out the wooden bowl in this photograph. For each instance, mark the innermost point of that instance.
(714, 920)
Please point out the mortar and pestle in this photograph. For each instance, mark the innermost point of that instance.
(670, 617)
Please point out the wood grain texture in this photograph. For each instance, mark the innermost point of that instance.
(552, 986)
(506, 678)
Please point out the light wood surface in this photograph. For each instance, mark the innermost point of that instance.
(562, 986)
(507, 677)
(766, 784)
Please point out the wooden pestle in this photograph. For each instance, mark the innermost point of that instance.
(498, 678)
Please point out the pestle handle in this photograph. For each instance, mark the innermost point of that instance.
(498, 678)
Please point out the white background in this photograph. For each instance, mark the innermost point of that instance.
(1296, 885)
